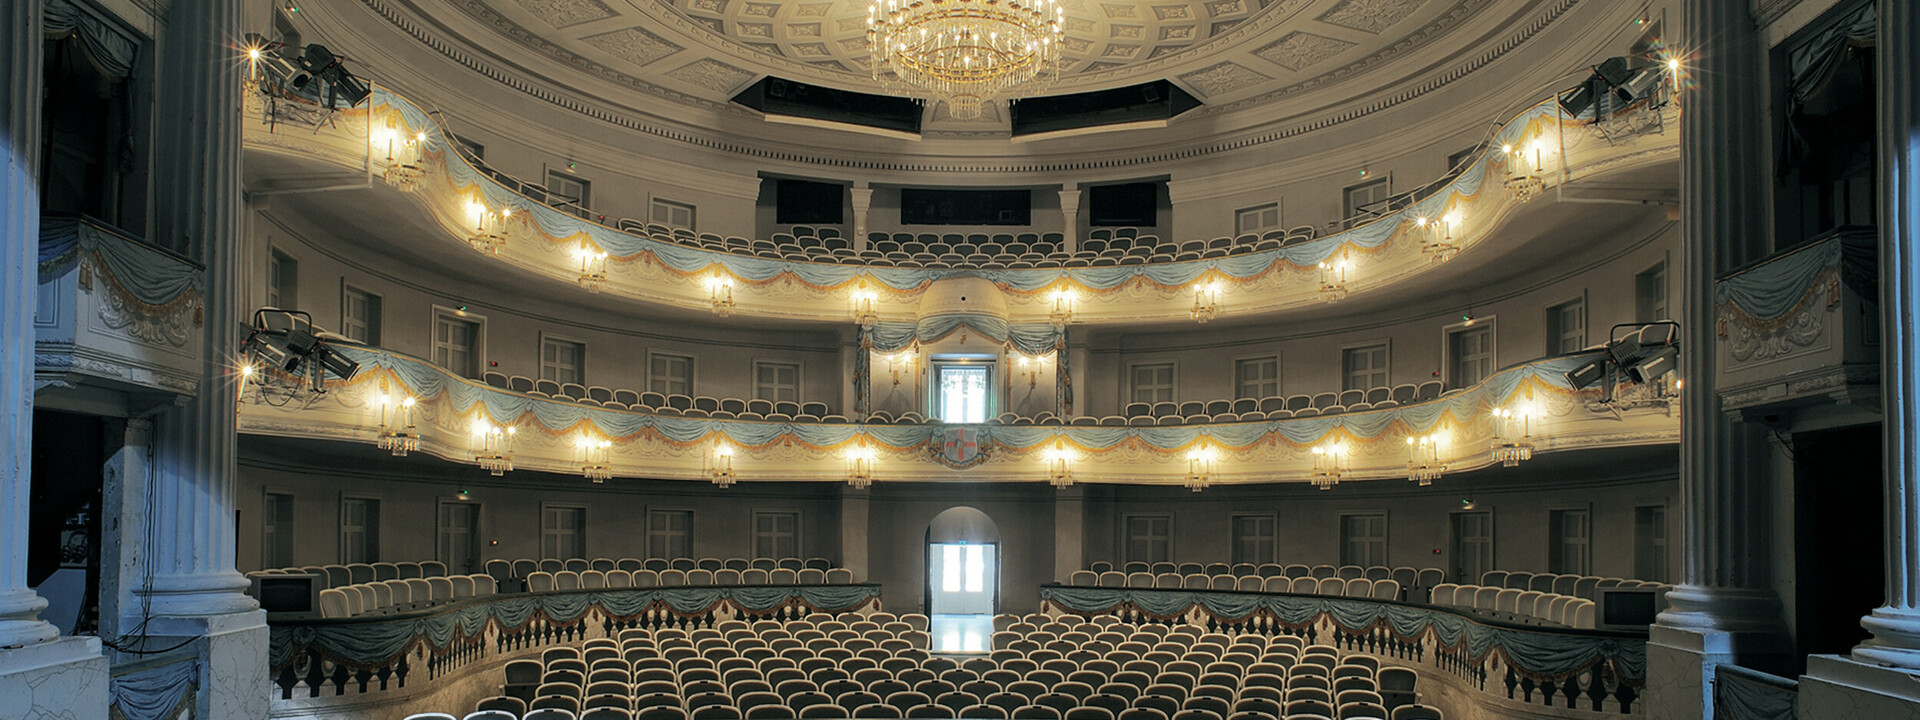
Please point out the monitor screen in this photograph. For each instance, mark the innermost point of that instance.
(293, 593)
(1628, 607)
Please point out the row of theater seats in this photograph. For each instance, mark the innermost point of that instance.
(1528, 606)
(393, 597)
(1102, 669)
(665, 403)
(527, 574)
(1354, 588)
(332, 576)
(503, 569)
(1580, 586)
(1424, 577)
(1279, 408)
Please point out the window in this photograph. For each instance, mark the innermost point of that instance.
(962, 392)
(283, 280)
(670, 533)
(1365, 368)
(1257, 377)
(671, 214)
(93, 134)
(470, 148)
(568, 188)
(1471, 355)
(562, 361)
(1256, 219)
(276, 530)
(459, 542)
(776, 534)
(1253, 539)
(1650, 294)
(1472, 545)
(963, 568)
(1568, 534)
(359, 315)
(1153, 383)
(1363, 539)
(1149, 538)
(359, 530)
(670, 374)
(1650, 543)
(563, 532)
(1567, 327)
(776, 381)
(1359, 197)
(456, 344)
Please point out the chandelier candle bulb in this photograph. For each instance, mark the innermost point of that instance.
(965, 52)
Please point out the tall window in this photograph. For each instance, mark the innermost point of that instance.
(359, 315)
(670, 374)
(572, 188)
(1257, 377)
(670, 533)
(1363, 539)
(1360, 196)
(1472, 355)
(359, 530)
(776, 381)
(91, 133)
(283, 280)
(671, 214)
(1569, 534)
(1365, 368)
(1472, 545)
(1650, 294)
(962, 392)
(1153, 383)
(1253, 539)
(1257, 219)
(456, 344)
(562, 361)
(776, 534)
(964, 568)
(1567, 327)
(276, 530)
(1149, 538)
(563, 532)
(1650, 543)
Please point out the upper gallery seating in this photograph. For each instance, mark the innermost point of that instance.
(1377, 582)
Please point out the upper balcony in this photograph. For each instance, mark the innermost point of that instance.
(115, 312)
(1802, 328)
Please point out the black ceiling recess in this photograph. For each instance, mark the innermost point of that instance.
(1157, 100)
(779, 96)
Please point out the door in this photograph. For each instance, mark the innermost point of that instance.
(1472, 545)
(962, 578)
(459, 539)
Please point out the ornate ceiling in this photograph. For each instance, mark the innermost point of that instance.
(1223, 51)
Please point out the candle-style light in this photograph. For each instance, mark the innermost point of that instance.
(396, 426)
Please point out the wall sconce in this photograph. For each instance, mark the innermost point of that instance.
(1062, 310)
(493, 446)
(487, 230)
(593, 267)
(896, 360)
(720, 294)
(1525, 180)
(1031, 366)
(720, 465)
(1200, 465)
(860, 460)
(1206, 302)
(1510, 448)
(595, 458)
(396, 426)
(1333, 278)
(404, 170)
(1059, 465)
(1423, 458)
(1329, 464)
(863, 309)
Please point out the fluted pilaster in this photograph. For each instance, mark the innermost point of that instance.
(20, 79)
(1896, 625)
(1070, 219)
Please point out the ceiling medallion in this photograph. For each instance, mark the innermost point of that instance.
(964, 51)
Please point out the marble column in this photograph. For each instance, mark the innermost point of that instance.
(1896, 624)
(862, 196)
(20, 79)
(124, 481)
(1069, 531)
(1070, 219)
(1723, 608)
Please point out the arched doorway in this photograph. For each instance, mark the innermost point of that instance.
(963, 579)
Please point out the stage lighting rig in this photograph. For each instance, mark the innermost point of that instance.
(294, 347)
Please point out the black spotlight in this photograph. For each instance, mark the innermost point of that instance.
(1654, 364)
(332, 361)
(1585, 376)
(325, 65)
(294, 348)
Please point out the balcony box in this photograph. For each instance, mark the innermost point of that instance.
(1801, 328)
(114, 312)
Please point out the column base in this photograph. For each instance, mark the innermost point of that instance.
(232, 680)
(1680, 665)
(1842, 687)
(65, 678)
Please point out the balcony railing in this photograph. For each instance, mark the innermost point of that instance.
(115, 311)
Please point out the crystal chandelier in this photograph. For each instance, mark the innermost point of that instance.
(396, 427)
(964, 51)
(1329, 465)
